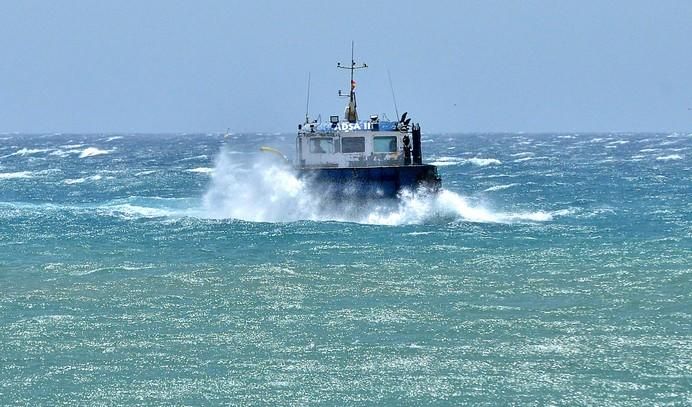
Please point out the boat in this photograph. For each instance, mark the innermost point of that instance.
(353, 158)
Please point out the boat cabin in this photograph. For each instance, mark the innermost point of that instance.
(341, 144)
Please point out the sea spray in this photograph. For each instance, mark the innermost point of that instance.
(264, 190)
(268, 190)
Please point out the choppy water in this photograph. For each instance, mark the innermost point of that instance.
(190, 269)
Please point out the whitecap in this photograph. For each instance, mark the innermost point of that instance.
(482, 162)
(73, 181)
(416, 208)
(201, 170)
(521, 160)
(113, 138)
(92, 152)
(197, 157)
(15, 175)
(669, 157)
(29, 151)
(446, 161)
(500, 187)
(135, 211)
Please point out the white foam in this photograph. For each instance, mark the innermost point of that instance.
(446, 161)
(201, 170)
(113, 138)
(669, 157)
(15, 175)
(136, 211)
(31, 151)
(500, 187)
(23, 152)
(271, 192)
(93, 152)
(416, 209)
(482, 162)
(195, 158)
(73, 181)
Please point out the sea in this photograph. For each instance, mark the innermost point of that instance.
(193, 269)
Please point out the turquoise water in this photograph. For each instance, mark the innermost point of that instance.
(190, 269)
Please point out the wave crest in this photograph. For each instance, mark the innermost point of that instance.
(92, 152)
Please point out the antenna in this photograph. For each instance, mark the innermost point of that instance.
(389, 75)
(307, 103)
(351, 114)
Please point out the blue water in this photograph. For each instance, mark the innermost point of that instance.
(191, 269)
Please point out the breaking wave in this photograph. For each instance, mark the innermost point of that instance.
(92, 152)
(669, 157)
(201, 170)
(269, 191)
(72, 181)
(500, 187)
(30, 151)
(480, 162)
(15, 175)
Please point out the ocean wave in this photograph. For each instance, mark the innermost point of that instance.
(23, 152)
(201, 170)
(446, 205)
(64, 153)
(447, 161)
(195, 158)
(132, 211)
(93, 152)
(500, 187)
(73, 181)
(145, 172)
(618, 142)
(670, 157)
(15, 175)
(483, 162)
(524, 159)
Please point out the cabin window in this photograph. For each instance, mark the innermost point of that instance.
(353, 144)
(384, 144)
(322, 145)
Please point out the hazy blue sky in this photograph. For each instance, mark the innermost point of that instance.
(204, 66)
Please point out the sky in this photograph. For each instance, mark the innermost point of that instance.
(163, 66)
